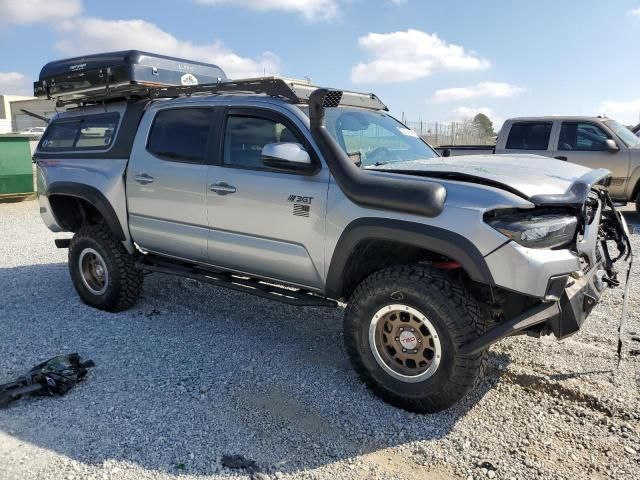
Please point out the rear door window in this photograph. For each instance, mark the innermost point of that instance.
(582, 137)
(529, 136)
(93, 132)
(181, 134)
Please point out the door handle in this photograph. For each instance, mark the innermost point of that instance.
(561, 157)
(143, 178)
(222, 188)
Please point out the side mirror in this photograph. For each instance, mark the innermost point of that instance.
(612, 146)
(286, 156)
(446, 152)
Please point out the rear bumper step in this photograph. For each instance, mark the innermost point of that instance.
(240, 283)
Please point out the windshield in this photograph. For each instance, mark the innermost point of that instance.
(624, 134)
(371, 138)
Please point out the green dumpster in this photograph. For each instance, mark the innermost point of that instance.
(16, 169)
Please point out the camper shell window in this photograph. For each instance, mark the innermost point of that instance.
(91, 132)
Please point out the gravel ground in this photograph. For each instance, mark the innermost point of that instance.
(198, 382)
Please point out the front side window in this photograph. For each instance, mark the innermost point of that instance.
(627, 136)
(582, 137)
(93, 132)
(529, 136)
(246, 136)
(181, 134)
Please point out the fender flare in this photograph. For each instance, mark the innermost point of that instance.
(430, 238)
(92, 196)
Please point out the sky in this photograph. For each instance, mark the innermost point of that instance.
(427, 60)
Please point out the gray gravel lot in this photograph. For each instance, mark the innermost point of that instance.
(193, 374)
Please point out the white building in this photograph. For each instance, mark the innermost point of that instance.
(6, 121)
(13, 116)
(41, 107)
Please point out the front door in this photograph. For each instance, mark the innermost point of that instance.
(264, 222)
(167, 183)
(584, 143)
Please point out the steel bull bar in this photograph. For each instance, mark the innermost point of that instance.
(577, 297)
(564, 317)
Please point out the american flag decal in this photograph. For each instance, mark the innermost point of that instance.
(301, 210)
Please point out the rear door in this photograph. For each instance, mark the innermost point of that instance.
(264, 222)
(529, 137)
(584, 143)
(167, 182)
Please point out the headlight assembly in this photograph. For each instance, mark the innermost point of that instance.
(536, 230)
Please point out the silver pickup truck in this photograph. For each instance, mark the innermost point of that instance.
(315, 197)
(594, 142)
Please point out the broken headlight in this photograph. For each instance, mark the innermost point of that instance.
(536, 230)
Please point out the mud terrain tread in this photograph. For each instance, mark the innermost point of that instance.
(130, 284)
(457, 308)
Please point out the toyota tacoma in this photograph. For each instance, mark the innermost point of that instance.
(318, 197)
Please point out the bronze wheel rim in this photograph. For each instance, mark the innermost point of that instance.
(404, 343)
(93, 271)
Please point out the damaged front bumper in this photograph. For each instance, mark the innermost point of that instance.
(570, 298)
(576, 303)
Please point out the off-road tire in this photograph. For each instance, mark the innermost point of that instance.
(124, 279)
(456, 317)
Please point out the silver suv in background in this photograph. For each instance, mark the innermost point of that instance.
(314, 196)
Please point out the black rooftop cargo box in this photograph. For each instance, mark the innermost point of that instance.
(119, 74)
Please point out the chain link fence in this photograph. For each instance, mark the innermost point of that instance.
(451, 133)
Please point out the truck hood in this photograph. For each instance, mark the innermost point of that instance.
(528, 175)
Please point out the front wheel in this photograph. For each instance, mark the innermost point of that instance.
(403, 328)
(102, 271)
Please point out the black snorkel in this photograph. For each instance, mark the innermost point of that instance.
(364, 187)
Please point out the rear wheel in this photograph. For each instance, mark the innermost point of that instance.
(102, 271)
(403, 328)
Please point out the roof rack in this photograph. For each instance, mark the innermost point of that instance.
(296, 91)
(130, 74)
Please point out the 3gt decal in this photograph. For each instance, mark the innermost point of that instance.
(301, 205)
(301, 210)
(300, 199)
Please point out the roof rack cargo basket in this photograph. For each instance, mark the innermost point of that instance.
(296, 91)
(111, 75)
(135, 74)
